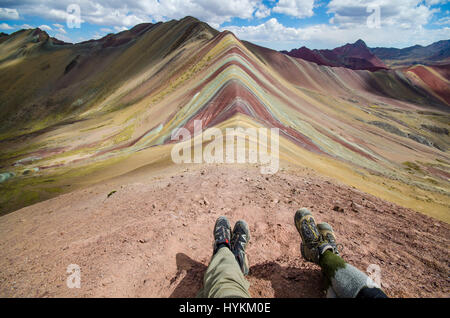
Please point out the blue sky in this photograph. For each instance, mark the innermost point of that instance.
(278, 24)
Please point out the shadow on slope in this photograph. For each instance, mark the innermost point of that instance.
(286, 281)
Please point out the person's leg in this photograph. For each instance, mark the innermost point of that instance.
(346, 280)
(319, 246)
(224, 277)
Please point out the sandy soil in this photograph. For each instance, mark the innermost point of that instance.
(153, 237)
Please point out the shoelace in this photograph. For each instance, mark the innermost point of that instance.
(221, 234)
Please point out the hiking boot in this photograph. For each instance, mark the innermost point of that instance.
(239, 240)
(327, 233)
(222, 233)
(312, 245)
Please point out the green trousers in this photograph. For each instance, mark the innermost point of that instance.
(224, 278)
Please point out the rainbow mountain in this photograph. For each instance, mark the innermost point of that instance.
(79, 114)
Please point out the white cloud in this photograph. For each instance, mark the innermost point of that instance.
(400, 13)
(108, 16)
(59, 28)
(8, 14)
(129, 13)
(63, 37)
(435, 2)
(26, 26)
(45, 27)
(443, 21)
(5, 26)
(214, 12)
(296, 8)
(269, 31)
(273, 34)
(262, 11)
(120, 29)
(403, 22)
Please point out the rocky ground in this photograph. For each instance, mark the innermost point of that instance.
(153, 236)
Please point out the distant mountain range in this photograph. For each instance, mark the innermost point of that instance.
(436, 53)
(358, 56)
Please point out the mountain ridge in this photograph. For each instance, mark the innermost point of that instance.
(356, 56)
(173, 73)
(435, 53)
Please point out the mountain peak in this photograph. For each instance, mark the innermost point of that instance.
(190, 18)
(356, 56)
(41, 35)
(360, 43)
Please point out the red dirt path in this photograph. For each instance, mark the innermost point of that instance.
(153, 237)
